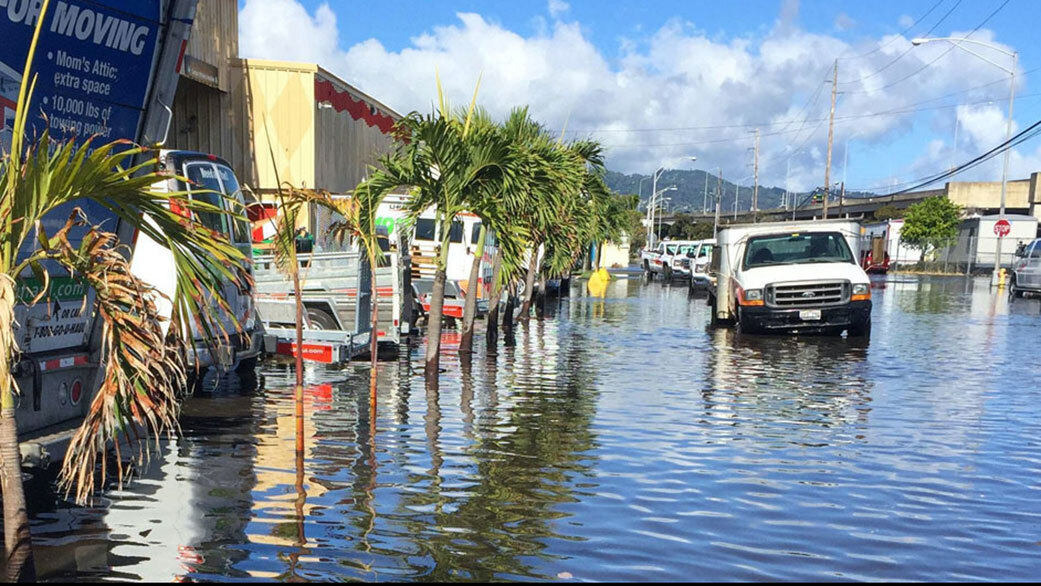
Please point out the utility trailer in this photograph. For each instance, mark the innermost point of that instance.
(336, 296)
(114, 86)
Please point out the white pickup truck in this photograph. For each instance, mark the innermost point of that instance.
(791, 277)
(670, 258)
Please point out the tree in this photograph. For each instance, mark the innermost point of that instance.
(449, 162)
(888, 212)
(145, 368)
(931, 224)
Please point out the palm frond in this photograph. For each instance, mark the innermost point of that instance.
(145, 370)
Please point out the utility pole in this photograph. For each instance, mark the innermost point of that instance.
(755, 172)
(842, 198)
(719, 187)
(831, 137)
(737, 196)
(704, 202)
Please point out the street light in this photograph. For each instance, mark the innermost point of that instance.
(959, 42)
(664, 205)
(650, 207)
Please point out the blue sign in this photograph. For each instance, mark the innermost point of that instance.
(93, 65)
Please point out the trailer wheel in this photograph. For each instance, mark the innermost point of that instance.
(321, 319)
(247, 365)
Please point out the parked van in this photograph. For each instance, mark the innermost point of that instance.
(212, 181)
(1026, 270)
(791, 277)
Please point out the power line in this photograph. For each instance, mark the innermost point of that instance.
(929, 64)
(820, 121)
(908, 50)
(902, 33)
(1023, 136)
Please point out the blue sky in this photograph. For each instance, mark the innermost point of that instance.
(648, 78)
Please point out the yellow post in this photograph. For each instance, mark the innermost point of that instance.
(1001, 278)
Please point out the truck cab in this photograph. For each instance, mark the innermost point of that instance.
(791, 277)
(212, 180)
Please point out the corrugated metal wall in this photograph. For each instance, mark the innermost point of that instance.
(279, 117)
(345, 147)
(215, 37)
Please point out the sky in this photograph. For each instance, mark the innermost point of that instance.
(658, 82)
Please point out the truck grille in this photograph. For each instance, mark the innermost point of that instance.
(813, 294)
(686, 263)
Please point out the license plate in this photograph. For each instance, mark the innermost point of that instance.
(810, 315)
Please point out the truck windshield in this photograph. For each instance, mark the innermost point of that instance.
(798, 248)
(705, 251)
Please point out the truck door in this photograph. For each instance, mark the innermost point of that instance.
(207, 185)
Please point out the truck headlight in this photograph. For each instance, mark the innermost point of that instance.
(861, 292)
(750, 297)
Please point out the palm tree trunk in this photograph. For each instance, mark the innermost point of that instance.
(529, 285)
(540, 299)
(437, 305)
(507, 312)
(492, 334)
(466, 340)
(299, 296)
(374, 343)
(18, 547)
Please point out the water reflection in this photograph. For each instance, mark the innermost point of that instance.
(616, 439)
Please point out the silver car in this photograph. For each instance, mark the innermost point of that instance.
(1026, 270)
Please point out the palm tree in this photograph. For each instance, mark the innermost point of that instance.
(144, 367)
(449, 162)
(550, 174)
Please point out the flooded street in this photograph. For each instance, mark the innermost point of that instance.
(619, 439)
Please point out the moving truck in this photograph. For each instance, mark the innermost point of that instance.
(106, 68)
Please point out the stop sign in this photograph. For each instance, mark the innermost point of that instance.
(1002, 228)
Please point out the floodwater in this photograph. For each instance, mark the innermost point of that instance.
(619, 439)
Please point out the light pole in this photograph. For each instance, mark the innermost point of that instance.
(959, 42)
(664, 204)
(650, 207)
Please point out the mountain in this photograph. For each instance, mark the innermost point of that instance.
(689, 195)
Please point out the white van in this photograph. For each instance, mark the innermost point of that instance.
(1026, 270)
(791, 277)
(155, 264)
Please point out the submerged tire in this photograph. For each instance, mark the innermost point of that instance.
(745, 325)
(247, 365)
(861, 330)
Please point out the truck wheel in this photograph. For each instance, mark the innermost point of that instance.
(744, 325)
(668, 273)
(713, 320)
(321, 319)
(647, 269)
(860, 330)
(1014, 291)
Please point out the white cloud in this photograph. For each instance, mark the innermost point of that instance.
(558, 7)
(707, 92)
(844, 22)
(905, 21)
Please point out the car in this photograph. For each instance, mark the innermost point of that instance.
(1026, 270)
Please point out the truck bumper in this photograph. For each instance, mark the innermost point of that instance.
(700, 280)
(788, 320)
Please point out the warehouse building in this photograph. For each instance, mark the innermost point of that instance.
(273, 120)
